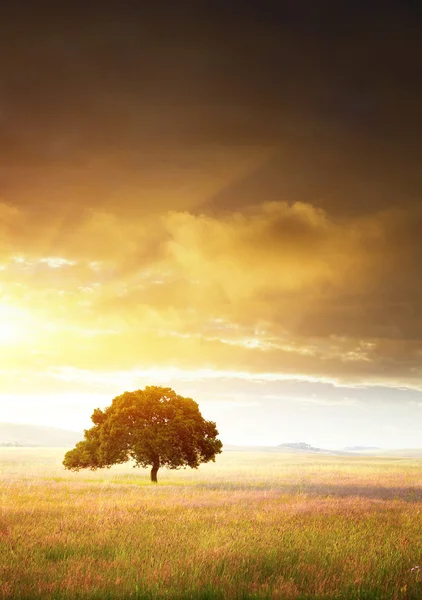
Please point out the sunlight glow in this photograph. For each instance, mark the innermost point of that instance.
(13, 324)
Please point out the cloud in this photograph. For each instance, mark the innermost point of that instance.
(281, 288)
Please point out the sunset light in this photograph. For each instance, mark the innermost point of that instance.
(13, 325)
(211, 300)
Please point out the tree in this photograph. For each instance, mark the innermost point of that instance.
(154, 427)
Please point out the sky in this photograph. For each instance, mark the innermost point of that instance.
(225, 198)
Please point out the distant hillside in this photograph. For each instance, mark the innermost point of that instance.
(17, 434)
(300, 446)
(293, 448)
(362, 448)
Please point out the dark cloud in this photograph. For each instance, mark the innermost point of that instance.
(231, 188)
(98, 105)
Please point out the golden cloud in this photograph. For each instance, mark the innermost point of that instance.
(277, 288)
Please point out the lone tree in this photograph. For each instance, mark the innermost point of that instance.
(155, 427)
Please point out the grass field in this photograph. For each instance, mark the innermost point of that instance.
(253, 525)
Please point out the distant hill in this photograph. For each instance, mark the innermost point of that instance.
(293, 448)
(362, 448)
(18, 435)
(300, 446)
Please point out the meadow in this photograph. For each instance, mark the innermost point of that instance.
(252, 525)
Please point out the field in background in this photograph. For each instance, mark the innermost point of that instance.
(253, 525)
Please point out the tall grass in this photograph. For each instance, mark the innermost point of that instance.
(251, 526)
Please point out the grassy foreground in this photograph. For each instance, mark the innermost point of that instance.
(261, 525)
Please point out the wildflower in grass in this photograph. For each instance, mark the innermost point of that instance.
(416, 570)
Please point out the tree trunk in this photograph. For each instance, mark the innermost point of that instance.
(154, 472)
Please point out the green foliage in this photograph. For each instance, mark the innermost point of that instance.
(154, 427)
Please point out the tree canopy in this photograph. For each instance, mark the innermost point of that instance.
(154, 427)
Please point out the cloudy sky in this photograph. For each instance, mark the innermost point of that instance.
(225, 198)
